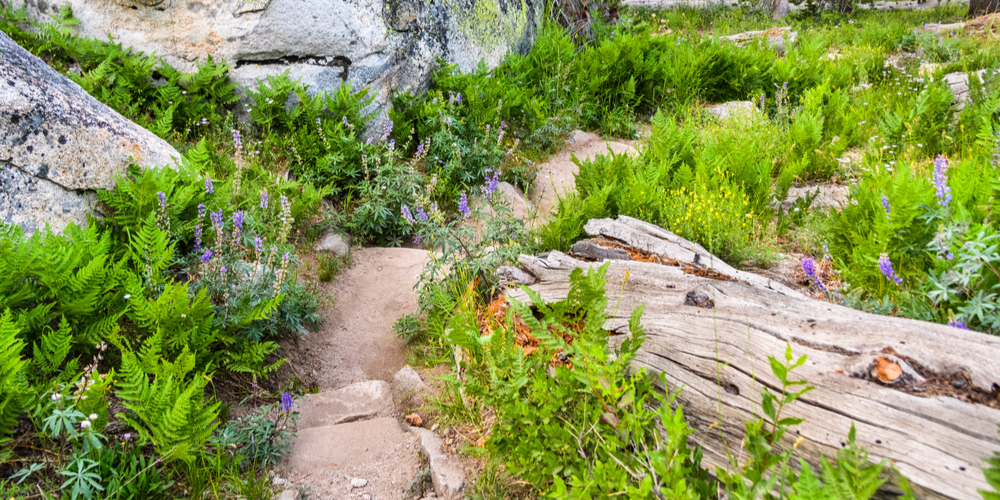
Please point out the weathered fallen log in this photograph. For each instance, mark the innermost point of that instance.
(710, 329)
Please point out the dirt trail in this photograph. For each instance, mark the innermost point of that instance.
(351, 443)
(356, 342)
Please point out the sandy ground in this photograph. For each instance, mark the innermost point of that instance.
(356, 342)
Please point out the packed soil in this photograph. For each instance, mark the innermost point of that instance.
(356, 342)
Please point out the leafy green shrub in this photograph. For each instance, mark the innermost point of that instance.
(262, 437)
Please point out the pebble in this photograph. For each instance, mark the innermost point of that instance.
(357, 482)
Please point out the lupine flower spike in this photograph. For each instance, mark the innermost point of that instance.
(885, 265)
(809, 267)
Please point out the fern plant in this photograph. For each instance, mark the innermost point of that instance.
(13, 386)
(168, 410)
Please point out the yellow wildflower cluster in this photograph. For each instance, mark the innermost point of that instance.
(709, 215)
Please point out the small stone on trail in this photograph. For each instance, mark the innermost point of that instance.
(414, 420)
(357, 482)
(335, 243)
(287, 495)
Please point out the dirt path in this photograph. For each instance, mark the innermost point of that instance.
(356, 342)
(351, 443)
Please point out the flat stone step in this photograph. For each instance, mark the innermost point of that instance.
(372, 457)
(360, 401)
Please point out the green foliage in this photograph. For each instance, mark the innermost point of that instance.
(568, 433)
(13, 388)
(167, 411)
(260, 438)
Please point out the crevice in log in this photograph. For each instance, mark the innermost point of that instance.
(696, 269)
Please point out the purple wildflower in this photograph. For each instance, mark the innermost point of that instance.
(258, 244)
(421, 214)
(217, 223)
(885, 265)
(206, 256)
(491, 183)
(346, 124)
(238, 142)
(286, 402)
(265, 199)
(809, 267)
(237, 224)
(957, 323)
(762, 102)
(163, 200)
(406, 214)
(223, 270)
(943, 192)
(417, 239)
(209, 188)
(885, 205)
(420, 150)
(463, 205)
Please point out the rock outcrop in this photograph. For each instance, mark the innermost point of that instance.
(58, 144)
(384, 44)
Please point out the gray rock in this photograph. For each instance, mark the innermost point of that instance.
(959, 85)
(446, 472)
(335, 243)
(58, 144)
(287, 495)
(385, 44)
(358, 401)
(408, 389)
(732, 109)
(826, 196)
(776, 39)
(357, 482)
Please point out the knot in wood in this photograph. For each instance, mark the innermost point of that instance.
(700, 299)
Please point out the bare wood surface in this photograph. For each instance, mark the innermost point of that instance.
(717, 358)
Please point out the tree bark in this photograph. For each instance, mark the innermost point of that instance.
(980, 7)
(710, 329)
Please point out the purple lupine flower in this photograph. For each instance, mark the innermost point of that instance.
(885, 265)
(286, 402)
(217, 223)
(197, 236)
(346, 124)
(406, 214)
(265, 199)
(420, 149)
(223, 270)
(809, 267)
(421, 214)
(209, 188)
(417, 239)
(258, 244)
(206, 256)
(388, 127)
(885, 205)
(237, 224)
(491, 183)
(163, 200)
(957, 323)
(463, 205)
(458, 99)
(392, 144)
(943, 192)
(451, 97)
(237, 141)
(762, 102)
